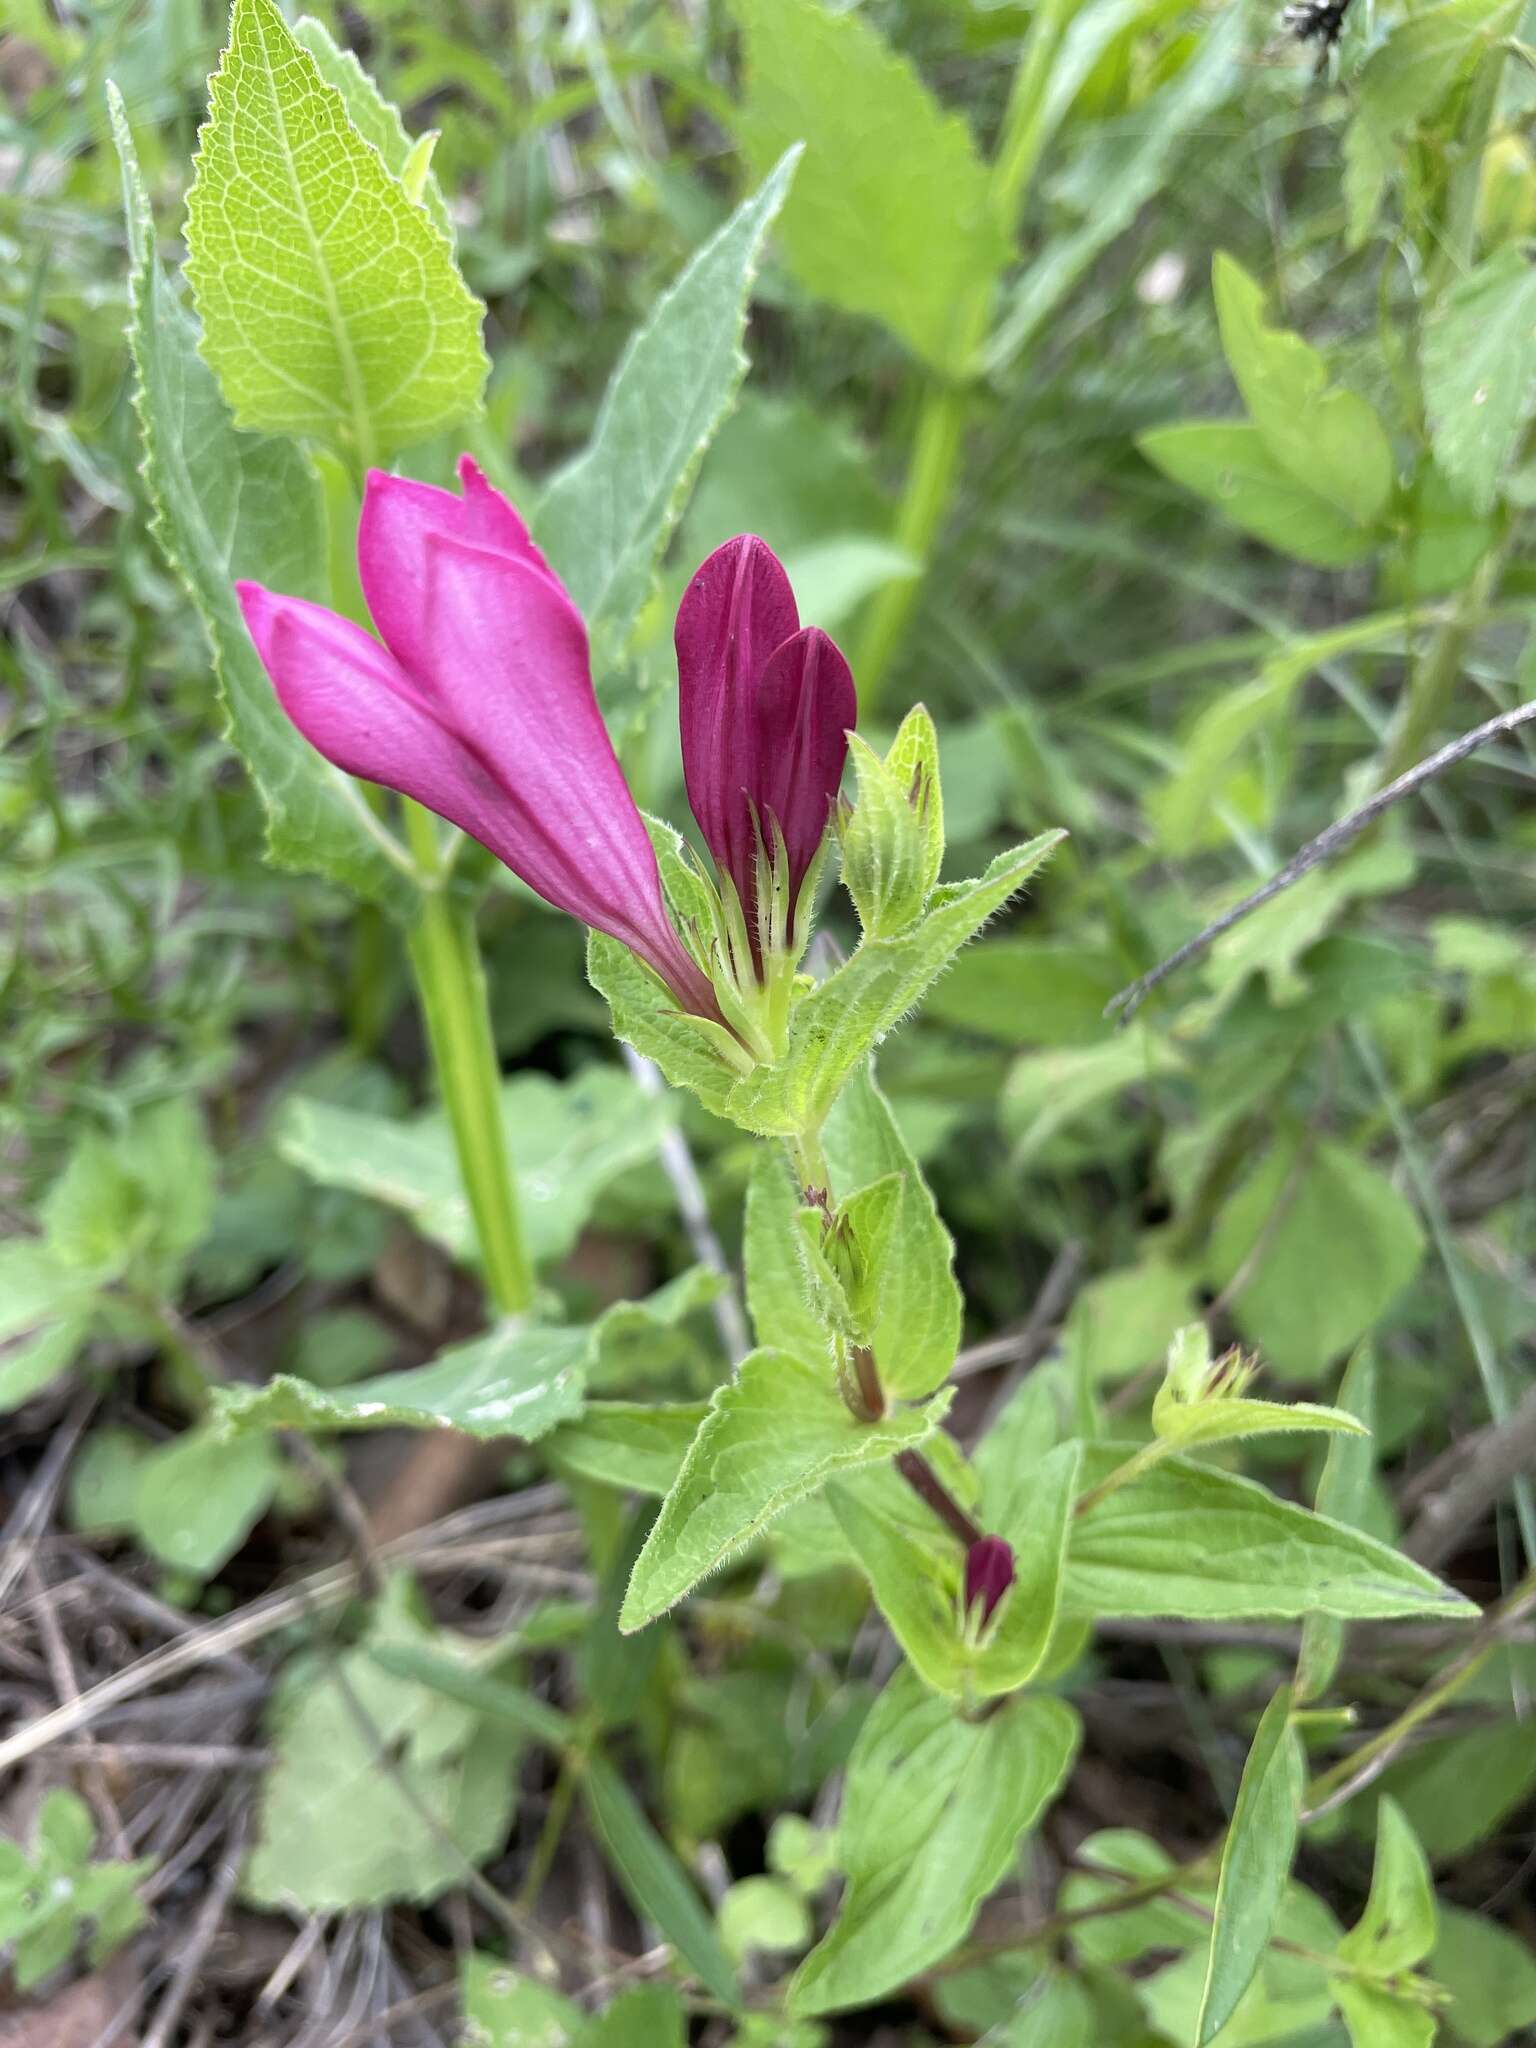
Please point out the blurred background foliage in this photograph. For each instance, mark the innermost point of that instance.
(1318, 1136)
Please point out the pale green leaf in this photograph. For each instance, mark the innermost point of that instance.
(1255, 1864)
(1479, 365)
(646, 1017)
(1193, 1407)
(1378, 2018)
(1343, 1494)
(1320, 1242)
(775, 1433)
(648, 2016)
(36, 1361)
(656, 1883)
(933, 1810)
(380, 1788)
(604, 520)
(230, 505)
(1047, 1091)
(1028, 991)
(917, 1331)
(777, 1292)
(514, 1381)
(1327, 439)
(1230, 465)
(567, 1141)
(199, 1496)
(764, 1915)
(1397, 1928)
(331, 304)
(1127, 164)
(846, 1016)
(375, 118)
(37, 1286)
(890, 215)
(635, 1446)
(1185, 1539)
(1491, 1976)
(503, 2009)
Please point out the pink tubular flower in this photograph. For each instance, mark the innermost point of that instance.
(988, 1575)
(766, 707)
(479, 704)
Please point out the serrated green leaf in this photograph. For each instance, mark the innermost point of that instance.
(375, 118)
(568, 1140)
(604, 520)
(933, 1810)
(331, 304)
(890, 215)
(646, 1017)
(917, 1330)
(1192, 1407)
(1255, 1864)
(514, 1381)
(654, 1879)
(775, 1433)
(1326, 438)
(1185, 1539)
(844, 1018)
(1343, 1493)
(1230, 465)
(1479, 367)
(231, 505)
(777, 1294)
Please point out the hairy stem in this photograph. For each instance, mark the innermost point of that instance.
(450, 978)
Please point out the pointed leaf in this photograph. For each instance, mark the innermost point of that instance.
(775, 1433)
(331, 304)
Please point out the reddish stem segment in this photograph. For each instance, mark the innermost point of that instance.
(925, 1482)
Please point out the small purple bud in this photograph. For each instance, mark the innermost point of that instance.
(988, 1575)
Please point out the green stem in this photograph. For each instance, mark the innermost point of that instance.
(1141, 1461)
(1024, 132)
(450, 978)
(1432, 684)
(931, 468)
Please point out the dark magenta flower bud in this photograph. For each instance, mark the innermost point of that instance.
(988, 1575)
(765, 706)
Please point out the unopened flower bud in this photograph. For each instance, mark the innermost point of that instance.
(988, 1575)
(893, 840)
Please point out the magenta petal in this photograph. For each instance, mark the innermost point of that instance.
(989, 1572)
(399, 521)
(803, 710)
(736, 610)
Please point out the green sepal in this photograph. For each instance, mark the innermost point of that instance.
(893, 842)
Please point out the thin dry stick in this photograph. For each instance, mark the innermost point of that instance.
(205, 1930)
(1323, 847)
(1484, 1466)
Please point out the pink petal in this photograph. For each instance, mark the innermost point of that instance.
(736, 610)
(399, 520)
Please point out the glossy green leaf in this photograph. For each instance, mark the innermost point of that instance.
(845, 1017)
(1231, 466)
(375, 118)
(330, 302)
(1319, 1242)
(890, 215)
(1185, 1539)
(1343, 1493)
(230, 505)
(1327, 439)
(917, 1328)
(604, 520)
(1255, 1864)
(774, 1433)
(657, 1885)
(1479, 364)
(517, 1380)
(933, 1810)
(567, 1141)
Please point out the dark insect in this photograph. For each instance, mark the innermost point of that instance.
(1316, 21)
